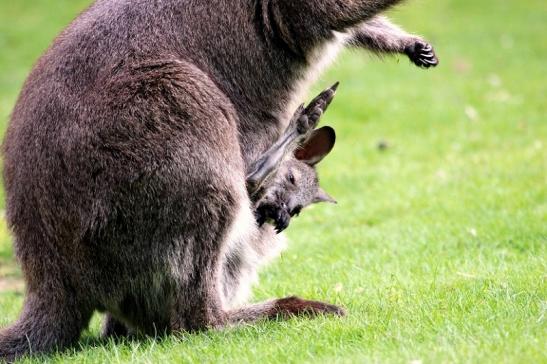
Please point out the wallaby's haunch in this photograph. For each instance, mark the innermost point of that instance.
(127, 154)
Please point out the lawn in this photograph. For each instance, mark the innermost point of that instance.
(437, 247)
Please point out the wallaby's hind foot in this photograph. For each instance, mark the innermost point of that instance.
(284, 308)
(295, 306)
(310, 116)
(422, 54)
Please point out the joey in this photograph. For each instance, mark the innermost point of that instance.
(296, 184)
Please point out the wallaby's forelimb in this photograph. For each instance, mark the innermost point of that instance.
(303, 122)
(379, 35)
(317, 19)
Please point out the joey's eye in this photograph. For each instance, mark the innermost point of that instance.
(290, 178)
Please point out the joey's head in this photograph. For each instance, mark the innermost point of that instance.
(296, 185)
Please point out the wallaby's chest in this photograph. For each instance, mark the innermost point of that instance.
(317, 62)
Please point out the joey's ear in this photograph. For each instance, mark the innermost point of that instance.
(317, 146)
(322, 196)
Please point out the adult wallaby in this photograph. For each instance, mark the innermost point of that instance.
(126, 155)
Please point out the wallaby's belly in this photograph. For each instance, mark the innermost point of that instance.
(244, 258)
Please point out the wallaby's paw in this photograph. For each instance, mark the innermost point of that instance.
(278, 216)
(295, 306)
(422, 54)
(282, 221)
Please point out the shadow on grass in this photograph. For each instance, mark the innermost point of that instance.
(90, 342)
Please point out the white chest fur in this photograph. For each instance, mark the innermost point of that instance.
(248, 248)
(319, 60)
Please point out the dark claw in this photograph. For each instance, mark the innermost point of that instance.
(422, 54)
(282, 220)
(278, 215)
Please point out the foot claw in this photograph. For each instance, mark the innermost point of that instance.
(282, 220)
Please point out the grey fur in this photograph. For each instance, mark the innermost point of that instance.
(301, 126)
(296, 185)
(126, 155)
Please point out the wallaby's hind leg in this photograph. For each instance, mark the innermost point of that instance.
(198, 304)
(48, 322)
(283, 308)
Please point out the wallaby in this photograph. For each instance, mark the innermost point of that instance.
(126, 155)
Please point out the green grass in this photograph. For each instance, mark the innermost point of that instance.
(438, 245)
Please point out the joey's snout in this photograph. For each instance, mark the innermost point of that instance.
(277, 215)
(293, 206)
(274, 208)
